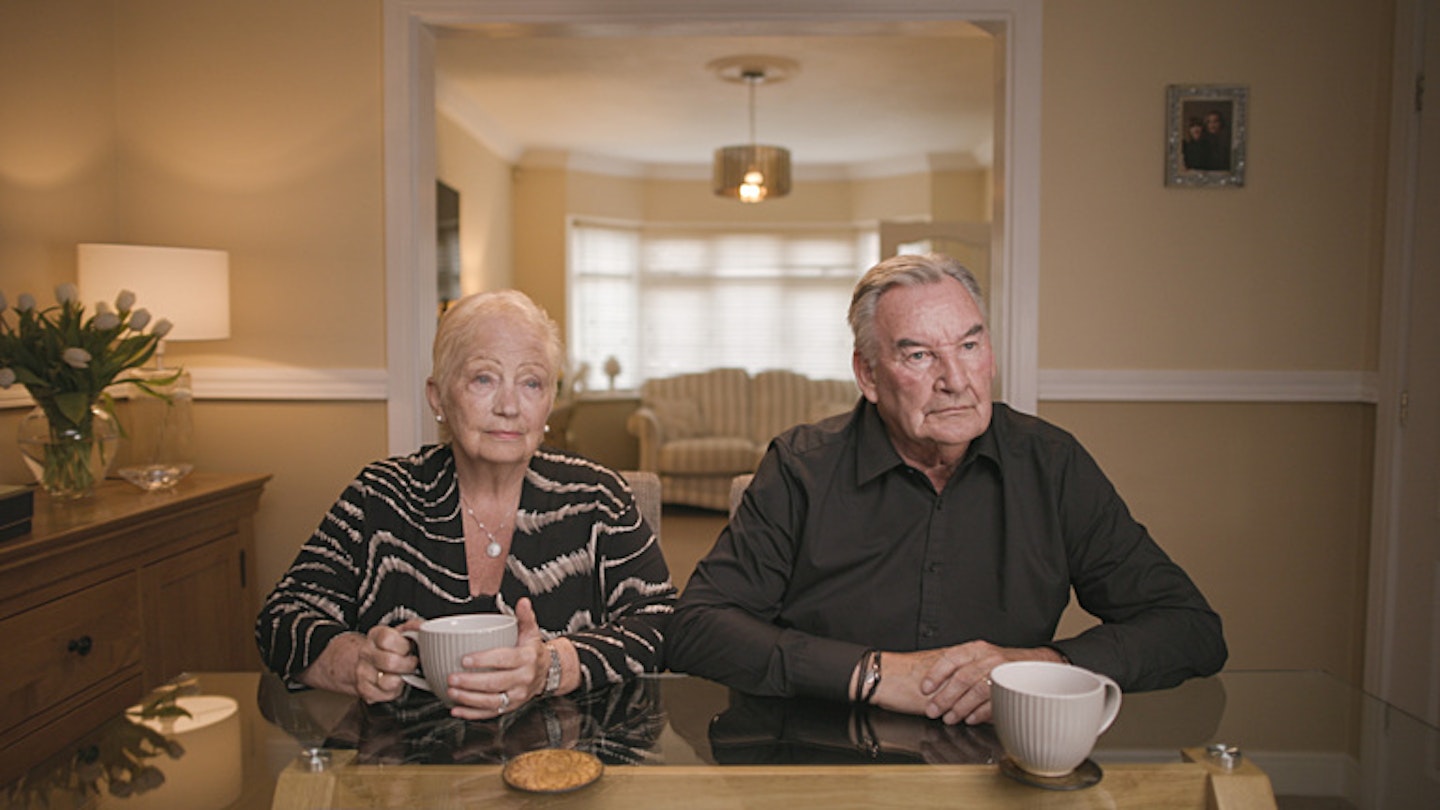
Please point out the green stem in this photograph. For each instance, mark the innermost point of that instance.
(67, 471)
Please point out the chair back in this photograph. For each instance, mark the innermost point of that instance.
(646, 486)
(738, 485)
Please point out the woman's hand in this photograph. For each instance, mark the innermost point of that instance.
(366, 666)
(502, 680)
(385, 658)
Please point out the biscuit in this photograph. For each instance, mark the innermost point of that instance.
(552, 770)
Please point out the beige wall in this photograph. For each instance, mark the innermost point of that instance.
(251, 126)
(255, 126)
(1266, 504)
(483, 180)
(58, 171)
(1282, 274)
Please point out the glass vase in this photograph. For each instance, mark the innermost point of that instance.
(157, 427)
(68, 458)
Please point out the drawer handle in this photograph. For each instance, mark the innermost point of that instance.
(81, 646)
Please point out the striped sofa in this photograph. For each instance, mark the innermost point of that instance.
(698, 431)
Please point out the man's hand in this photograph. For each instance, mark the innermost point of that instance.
(950, 683)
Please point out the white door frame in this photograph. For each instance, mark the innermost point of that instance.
(409, 56)
(1389, 552)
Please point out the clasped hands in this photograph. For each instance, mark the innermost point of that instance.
(494, 682)
(949, 683)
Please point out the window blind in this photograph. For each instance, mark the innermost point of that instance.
(665, 300)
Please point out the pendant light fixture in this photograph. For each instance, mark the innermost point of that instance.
(752, 172)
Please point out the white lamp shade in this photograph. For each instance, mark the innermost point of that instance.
(188, 286)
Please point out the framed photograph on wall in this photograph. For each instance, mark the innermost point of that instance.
(1205, 135)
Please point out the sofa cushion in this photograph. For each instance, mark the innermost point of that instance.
(679, 418)
(723, 395)
(711, 455)
(782, 399)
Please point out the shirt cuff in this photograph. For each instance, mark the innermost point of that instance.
(819, 667)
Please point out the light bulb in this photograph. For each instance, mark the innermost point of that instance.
(753, 190)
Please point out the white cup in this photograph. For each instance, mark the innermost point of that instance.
(1048, 715)
(446, 640)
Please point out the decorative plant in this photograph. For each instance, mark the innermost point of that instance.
(66, 361)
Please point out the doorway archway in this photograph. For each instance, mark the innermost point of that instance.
(410, 27)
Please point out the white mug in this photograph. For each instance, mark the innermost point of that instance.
(1048, 715)
(446, 640)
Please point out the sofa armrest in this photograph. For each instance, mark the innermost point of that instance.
(644, 425)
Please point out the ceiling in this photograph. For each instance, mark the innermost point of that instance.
(863, 100)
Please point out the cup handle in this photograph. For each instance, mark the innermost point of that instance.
(416, 678)
(1111, 709)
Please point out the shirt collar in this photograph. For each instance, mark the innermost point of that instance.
(877, 455)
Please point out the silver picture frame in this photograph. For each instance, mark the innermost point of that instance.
(1205, 135)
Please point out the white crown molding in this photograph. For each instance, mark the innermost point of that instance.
(266, 383)
(811, 172)
(1089, 385)
(341, 384)
(451, 100)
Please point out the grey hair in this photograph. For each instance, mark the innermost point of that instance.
(467, 316)
(903, 270)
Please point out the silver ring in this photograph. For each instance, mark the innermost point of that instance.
(504, 702)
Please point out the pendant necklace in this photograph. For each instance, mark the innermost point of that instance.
(492, 549)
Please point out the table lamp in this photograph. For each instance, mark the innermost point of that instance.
(191, 288)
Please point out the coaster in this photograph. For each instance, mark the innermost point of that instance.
(1085, 774)
(552, 770)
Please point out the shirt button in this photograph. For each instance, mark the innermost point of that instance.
(933, 568)
(927, 631)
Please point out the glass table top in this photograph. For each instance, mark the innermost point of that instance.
(1322, 743)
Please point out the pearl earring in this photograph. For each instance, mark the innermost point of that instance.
(439, 417)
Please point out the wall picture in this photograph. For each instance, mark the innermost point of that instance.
(1205, 135)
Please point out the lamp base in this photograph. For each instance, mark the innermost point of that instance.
(158, 430)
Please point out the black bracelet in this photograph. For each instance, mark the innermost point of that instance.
(873, 686)
(862, 678)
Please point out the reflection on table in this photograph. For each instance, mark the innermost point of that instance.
(1311, 735)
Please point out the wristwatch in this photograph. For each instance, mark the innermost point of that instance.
(552, 677)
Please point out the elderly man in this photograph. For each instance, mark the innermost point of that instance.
(897, 554)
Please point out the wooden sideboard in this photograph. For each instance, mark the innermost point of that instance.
(113, 595)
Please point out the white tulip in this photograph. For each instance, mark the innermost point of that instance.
(75, 357)
(25, 303)
(67, 294)
(125, 300)
(162, 328)
(106, 320)
(7, 377)
(101, 307)
(139, 318)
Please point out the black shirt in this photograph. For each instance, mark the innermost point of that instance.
(839, 546)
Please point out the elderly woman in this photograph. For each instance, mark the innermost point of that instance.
(485, 522)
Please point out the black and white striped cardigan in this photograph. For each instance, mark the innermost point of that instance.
(392, 548)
